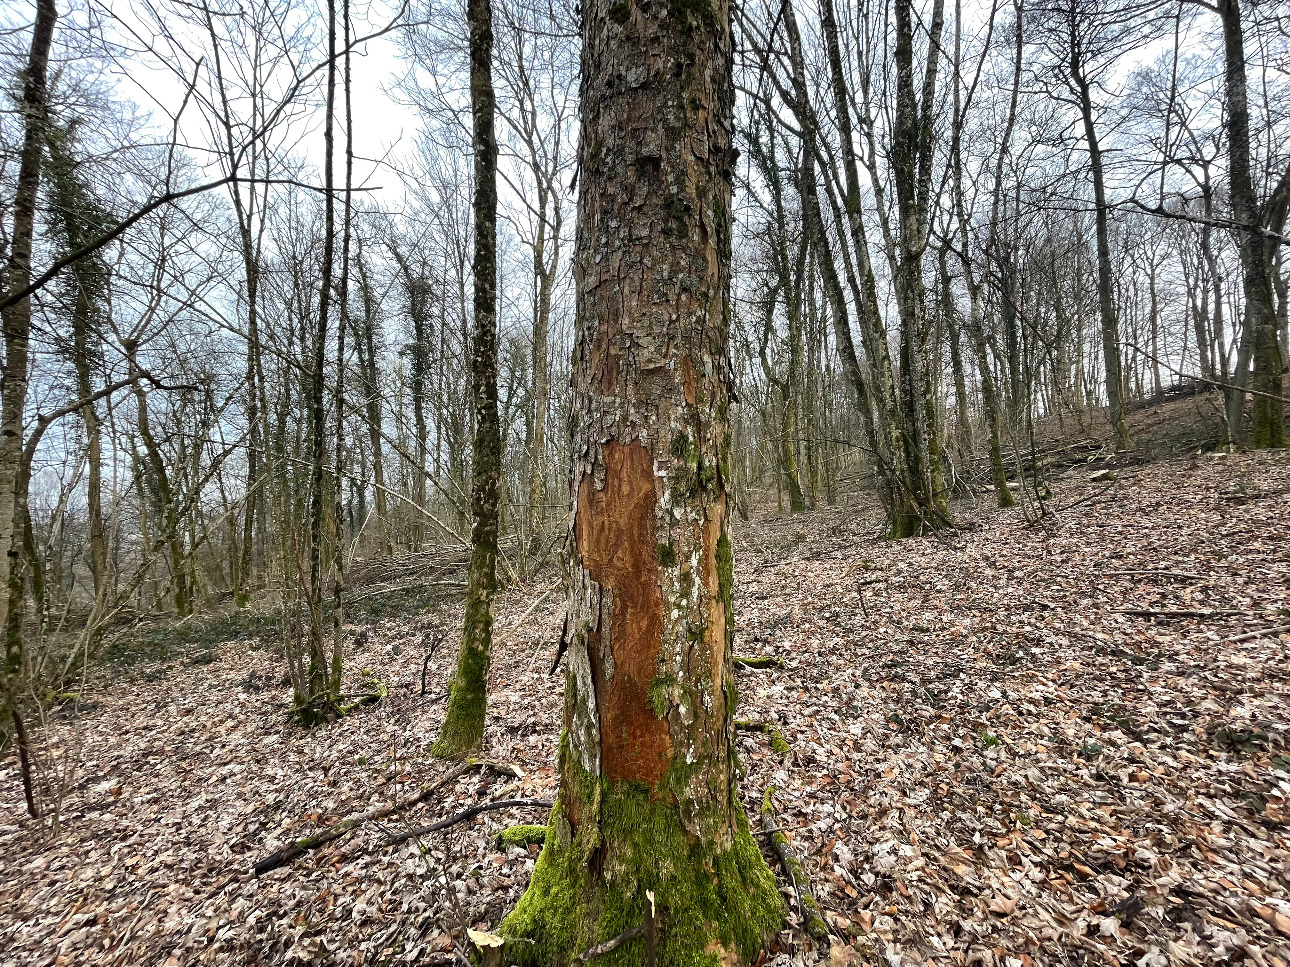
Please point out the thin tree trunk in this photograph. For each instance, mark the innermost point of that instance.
(17, 333)
(463, 727)
(1105, 273)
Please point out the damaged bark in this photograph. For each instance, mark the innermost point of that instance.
(647, 799)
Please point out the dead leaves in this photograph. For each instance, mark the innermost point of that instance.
(990, 766)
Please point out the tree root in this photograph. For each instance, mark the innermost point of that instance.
(758, 661)
(797, 878)
(297, 849)
(777, 740)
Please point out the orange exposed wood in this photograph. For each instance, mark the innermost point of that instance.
(615, 532)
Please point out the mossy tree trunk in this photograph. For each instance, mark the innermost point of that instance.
(648, 800)
(463, 727)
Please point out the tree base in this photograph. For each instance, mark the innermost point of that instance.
(716, 905)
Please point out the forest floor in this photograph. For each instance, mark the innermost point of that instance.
(1010, 745)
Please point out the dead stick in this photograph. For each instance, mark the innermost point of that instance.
(301, 846)
(1264, 633)
(806, 905)
(1148, 613)
(465, 814)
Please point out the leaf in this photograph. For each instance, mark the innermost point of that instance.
(483, 939)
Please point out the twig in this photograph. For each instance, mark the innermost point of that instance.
(806, 905)
(1158, 572)
(1262, 633)
(425, 665)
(612, 944)
(1148, 613)
(465, 814)
(297, 849)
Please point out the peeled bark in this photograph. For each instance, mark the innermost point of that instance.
(647, 801)
(463, 727)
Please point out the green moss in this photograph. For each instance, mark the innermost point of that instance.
(521, 836)
(777, 740)
(732, 694)
(619, 12)
(666, 555)
(810, 910)
(706, 897)
(691, 16)
(726, 580)
(758, 661)
(683, 448)
(660, 694)
(463, 725)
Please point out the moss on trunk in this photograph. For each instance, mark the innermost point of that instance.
(716, 901)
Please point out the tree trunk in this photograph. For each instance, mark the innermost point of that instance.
(1105, 274)
(1268, 428)
(545, 276)
(463, 727)
(17, 327)
(648, 814)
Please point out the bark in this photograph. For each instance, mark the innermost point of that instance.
(365, 342)
(1107, 313)
(463, 727)
(545, 276)
(907, 508)
(16, 320)
(314, 706)
(419, 291)
(1268, 426)
(75, 218)
(342, 326)
(158, 479)
(873, 405)
(647, 799)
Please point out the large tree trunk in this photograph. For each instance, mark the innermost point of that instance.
(463, 727)
(1268, 428)
(648, 801)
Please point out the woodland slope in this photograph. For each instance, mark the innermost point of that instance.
(1060, 743)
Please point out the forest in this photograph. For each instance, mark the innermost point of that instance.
(645, 483)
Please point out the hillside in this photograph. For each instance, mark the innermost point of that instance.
(1008, 745)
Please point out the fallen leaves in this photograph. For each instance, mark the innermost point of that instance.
(989, 766)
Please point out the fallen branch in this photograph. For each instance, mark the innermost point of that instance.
(777, 740)
(797, 878)
(465, 814)
(1074, 503)
(758, 661)
(1157, 572)
(367, 698)
(297, 849)
(1149, 613)
(1262, 633)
